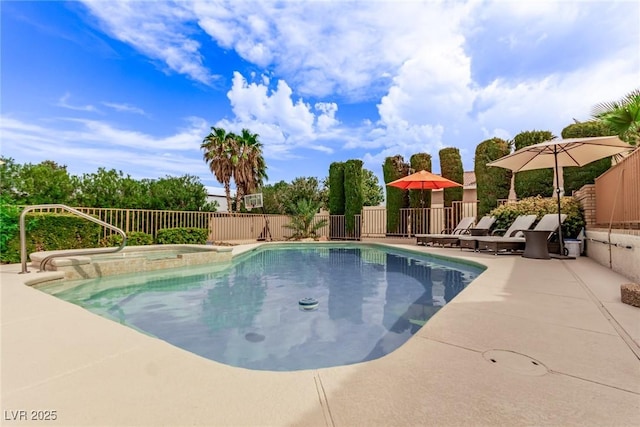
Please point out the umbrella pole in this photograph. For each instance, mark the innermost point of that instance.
(555, 157)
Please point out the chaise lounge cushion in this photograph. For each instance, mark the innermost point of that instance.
(462, 227)
(523, 222)
(516, 241)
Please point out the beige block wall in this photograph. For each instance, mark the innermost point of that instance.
(587, 198)
(619, 251)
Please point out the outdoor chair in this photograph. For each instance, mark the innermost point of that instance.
(516, 240)
(463, 226)
(523, 222)
(482, 228)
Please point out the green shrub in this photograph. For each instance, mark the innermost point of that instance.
(420, 198)
(184, 235)
(336, 188)
(538, 182)
(492, 183)
(451, 168)
(302, 222)
(9, 226)
(353, 199)
(50, 232)
(539, 207)
(574, 177)
(392, 169)
(134, 238)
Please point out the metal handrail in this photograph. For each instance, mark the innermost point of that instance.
(43, 263)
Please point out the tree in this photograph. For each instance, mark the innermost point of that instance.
(335, 182)
(250, 169)
(451, 168)
(282, 197)
(111, 189)
(352, 193)
(372, 191)
(273, 197)
(302, 188)
(185, 193)
(576, 177)
(9, 181)
(219, 154)
(493, 183)
(302, 214)
(392, 169)
(420, 198)
(46, 182)
(538, 182)
(622, 116)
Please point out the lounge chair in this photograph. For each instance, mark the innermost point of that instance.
(523, 222)
(516, 241)
(482, 228)
(462, 226)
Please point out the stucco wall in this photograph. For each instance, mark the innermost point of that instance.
(622, 255)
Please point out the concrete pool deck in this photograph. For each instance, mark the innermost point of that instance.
(529, 342)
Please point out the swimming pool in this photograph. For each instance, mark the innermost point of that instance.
(246, 313)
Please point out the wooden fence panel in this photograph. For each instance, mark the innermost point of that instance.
(618, 194)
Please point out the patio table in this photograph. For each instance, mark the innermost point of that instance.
(536, 244)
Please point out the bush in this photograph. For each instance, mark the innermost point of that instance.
(539, 207)
(420, 198)
(353, 199)
(492, 183)
(9, 227)
(537, 182)
(336, 188)
(574, 177)
(50, 232)
(302, 222)
(184, 235)
(134, 238)
(451, 168)
(392, 169)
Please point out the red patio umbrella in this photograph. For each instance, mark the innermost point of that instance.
(423, 180)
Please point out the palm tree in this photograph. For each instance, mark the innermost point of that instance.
(250, 169)
(302, 220)
(622, 116)
(218, 149)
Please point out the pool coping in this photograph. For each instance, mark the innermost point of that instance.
(566, 316)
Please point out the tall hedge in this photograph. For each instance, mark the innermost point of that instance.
(352, 192)
(574, 177)
(182, 235)
(451, 168)
(492, 183)
(394, 168)
(50, 232)
(336, 188)
(537, 182)
(420, 198)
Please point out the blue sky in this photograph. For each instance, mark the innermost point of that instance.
(136, 86)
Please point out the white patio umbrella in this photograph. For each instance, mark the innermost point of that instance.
(559, 153)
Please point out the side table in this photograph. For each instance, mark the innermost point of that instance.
(536, 244)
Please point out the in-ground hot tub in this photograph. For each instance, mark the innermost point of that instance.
(130, 259)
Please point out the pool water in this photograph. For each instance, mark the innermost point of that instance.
(371, 300)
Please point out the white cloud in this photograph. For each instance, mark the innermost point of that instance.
(159, 30)
(89, 144)
(282, 122)
(124, 108)
(415, 60)
(64, 103)
(552, 103)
